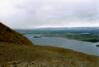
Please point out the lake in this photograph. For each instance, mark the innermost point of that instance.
(80, 46)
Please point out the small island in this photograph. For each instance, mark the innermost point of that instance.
(17, 51)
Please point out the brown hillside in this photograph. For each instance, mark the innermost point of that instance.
(11, 36)
(12, 55)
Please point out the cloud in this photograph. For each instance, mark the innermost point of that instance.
(40, 13)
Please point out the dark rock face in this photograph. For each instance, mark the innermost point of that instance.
(97, 45)
(11, 36)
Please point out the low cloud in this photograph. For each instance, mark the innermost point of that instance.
(43, 13)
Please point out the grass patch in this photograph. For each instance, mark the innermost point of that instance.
(45, 54)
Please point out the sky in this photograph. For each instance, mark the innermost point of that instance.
(28, 14)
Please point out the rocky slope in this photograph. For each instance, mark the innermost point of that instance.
(11, 36)
(17, 51)
(12, 55)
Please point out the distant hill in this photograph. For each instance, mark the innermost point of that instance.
(94, 30)
(11, 36)
(15, 51)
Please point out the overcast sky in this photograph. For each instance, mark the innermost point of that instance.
(49, 13)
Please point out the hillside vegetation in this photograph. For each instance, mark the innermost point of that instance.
(17, 51)
(40, 56)
(11, 36)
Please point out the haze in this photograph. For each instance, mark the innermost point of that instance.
(28, 14)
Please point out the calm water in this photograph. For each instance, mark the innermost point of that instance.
(80, 46)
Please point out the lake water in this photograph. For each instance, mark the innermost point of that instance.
(80, 46)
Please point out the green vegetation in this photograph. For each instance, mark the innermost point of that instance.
(17, 51)
(76, 36)
(83, 37)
